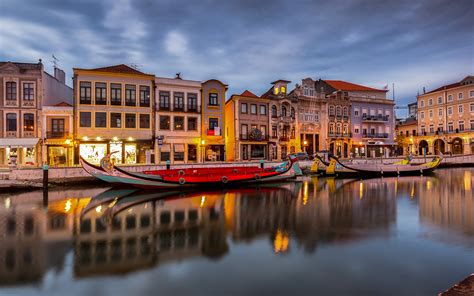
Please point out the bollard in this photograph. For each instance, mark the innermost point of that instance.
(45, 185)
(168, 164)
(261, 163)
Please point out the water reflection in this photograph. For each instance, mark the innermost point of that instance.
(116, 231)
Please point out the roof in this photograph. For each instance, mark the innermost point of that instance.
(452, 85)
(63, 104)
(122, 68)
(348, 86)
(281, 80)
(24, 66)
(249, 94)
(408, 121)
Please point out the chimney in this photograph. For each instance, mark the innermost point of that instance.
(60, 75)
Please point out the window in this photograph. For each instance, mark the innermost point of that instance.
(356, 112)
(100, 93)
(460, 109)
(471, 107)
(253, 109)
(28, 91)
(450, 98)
(213, 100)
(263, 130)
(57, 126)
(422, 103)
(144, 120)
(144, 96)
(274, 131)
(178, 151)
(283, 111)
(164, 100)
(471, 93)
(440, 112)
(243, 108)
(130, 95)
(282, 89)
(263, 110)
(450, 111)
(244, 132)
(178, 123)
(192, 153)
(356, 130)
(331, 110)
(11, 122)
(338, 111)
(192, 123)
(431, 128)
(472, 124)
(11, 90)
(345, 111)
(431, 113)
(85, 92)
(460, 96)
(115, 94)
(430, 102)
(213, 122)
(178, 101)
(461, 125)
(164, 122)
(28, 122)
(116, 120)
(440, 100)
(292, 112)
(450, 127)
(192, 102)
(130, 120)
(100, 119)
(274, 111)
(85, 119)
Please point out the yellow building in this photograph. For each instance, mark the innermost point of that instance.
(446, 119)
(213, 93)
(113, 111)
(405, 135)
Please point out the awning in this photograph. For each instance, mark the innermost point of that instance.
(178, 147)
(18, 142)
(165, 148)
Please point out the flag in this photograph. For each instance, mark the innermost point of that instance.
(386, 86)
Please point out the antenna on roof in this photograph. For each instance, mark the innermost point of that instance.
(135, 66)
(55, 61)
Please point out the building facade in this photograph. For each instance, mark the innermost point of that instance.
(20, 112)
(178, 120)
(312, 116)
(213, 95)
(446, 119)
(113, 112)
(247, 127)
(405, 135)
(283, 120)
(339, 125)
(371, 124)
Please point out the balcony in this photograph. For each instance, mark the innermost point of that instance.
(284, 139)
(375, 136)
(340, 135)
(56, 135)
(287, 118)
(248, 137)
(376, 118)
(213, 132)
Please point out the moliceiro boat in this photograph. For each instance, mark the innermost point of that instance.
(191, 177)
(338, 168)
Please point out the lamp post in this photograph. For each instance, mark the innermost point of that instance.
(203, 144)
(305, 143)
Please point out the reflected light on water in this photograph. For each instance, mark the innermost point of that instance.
(467, 180)
(8, 202)
(305, 193)
(361, 190)
(281, 241)
(428, 184)
(203, 200)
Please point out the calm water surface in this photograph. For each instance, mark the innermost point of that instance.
(405, 236)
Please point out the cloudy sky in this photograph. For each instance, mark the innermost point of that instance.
(247, 44)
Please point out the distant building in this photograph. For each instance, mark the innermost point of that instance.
(446, 119)
(247, 126)
(178, 120)
(413, 110)
(213, 95)
(283, 121)
(113, 111)
(405, 135)
(372, 119)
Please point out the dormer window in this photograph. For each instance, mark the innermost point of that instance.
(283, 90)
(276, 90)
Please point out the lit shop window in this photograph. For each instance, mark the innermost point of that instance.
(130, 153)
(93, 153)
(116, 152)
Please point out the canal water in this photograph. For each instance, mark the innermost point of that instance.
(321, 236)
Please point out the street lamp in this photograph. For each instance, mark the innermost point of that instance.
(305, 143)
(203, 144)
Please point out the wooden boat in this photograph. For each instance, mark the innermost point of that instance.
(183, 178)
(337, 168)
(106, 197)
(319, 166)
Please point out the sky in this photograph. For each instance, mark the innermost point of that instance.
(248, 44)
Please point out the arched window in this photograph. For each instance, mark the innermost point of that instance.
(292, 112)
(28, 122)
(11, 122)
(274, 111)
(338, 111)
(11, 90)
(338, 129)
(331, 128)
(283, 111)
(331, 110)
(345, 111)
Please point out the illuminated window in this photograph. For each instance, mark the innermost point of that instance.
(116, 120)
(275, 90)
(283, 89)
(28, 122)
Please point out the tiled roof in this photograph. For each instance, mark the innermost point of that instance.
(281, 80)
(63, 104)
(348, 86)
(122, 68)
(249, 94)
(24, 66)
(447, 86)
(268, 94)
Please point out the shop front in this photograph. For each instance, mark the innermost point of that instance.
(379, 149)
(253, 151)
(19, 151)
(214, 153)
(122, 152)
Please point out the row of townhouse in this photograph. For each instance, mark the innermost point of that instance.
(141, 118)
(442, 121)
